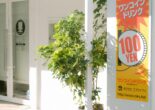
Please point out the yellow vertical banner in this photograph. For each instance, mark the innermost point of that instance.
(132, 49)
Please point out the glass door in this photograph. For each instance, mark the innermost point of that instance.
(20, 33)
(3, 76)
(14, 51)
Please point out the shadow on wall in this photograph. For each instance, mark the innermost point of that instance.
(111, 68)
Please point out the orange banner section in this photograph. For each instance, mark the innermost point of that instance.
(132, 49)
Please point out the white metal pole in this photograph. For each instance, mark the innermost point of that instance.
(89, 36)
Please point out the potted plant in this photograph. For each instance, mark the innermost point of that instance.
(67, 60)
(99, 46)
(66, 55)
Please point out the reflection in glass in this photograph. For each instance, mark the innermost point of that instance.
(3, 80)
(21, 49)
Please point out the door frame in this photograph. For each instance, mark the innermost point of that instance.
(9, 56)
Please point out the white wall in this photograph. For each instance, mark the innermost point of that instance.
(55, 96)
(61, 8)
(113, 102)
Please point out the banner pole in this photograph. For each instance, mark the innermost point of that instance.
(89, 37)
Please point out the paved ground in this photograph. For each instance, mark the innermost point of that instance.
(12, 106)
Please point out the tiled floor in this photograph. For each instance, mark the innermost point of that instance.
(12, 106)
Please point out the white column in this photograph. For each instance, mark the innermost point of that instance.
(89, 37)
(33, 66)
(9, 50)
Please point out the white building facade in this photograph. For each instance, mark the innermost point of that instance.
(27, 24)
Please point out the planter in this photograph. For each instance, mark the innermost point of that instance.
(95, 107)
(82, 107)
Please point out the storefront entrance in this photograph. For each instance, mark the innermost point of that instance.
(14, 51)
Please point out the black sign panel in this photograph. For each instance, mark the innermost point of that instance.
(20, 27)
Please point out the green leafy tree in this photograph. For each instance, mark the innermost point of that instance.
(66, 55)
(98, 53)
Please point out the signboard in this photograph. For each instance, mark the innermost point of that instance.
(132, 50)
(20, 27)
